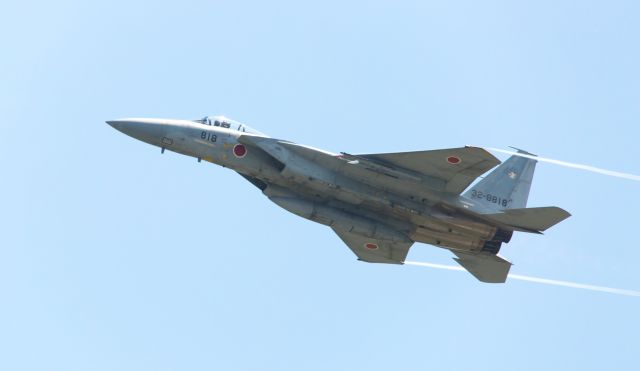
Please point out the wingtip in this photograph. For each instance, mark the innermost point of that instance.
(523, 151)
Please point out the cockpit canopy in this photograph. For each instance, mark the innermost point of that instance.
(226, 123)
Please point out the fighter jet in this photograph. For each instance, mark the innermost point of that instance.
(379, 204)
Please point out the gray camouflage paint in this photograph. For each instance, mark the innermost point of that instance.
(379, 204)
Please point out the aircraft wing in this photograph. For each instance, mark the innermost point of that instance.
(374, 250)
(458, 167)
(485, 267)
(453, 168)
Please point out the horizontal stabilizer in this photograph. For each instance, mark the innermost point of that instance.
(485, 267)
(532, 218)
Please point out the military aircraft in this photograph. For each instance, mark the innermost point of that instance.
(379, 204)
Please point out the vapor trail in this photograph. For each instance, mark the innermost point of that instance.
(572, 165)
(575, 285)
(545, 281)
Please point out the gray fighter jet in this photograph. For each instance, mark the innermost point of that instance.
(379, 204)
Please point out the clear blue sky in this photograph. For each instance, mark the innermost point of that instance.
(114, 257)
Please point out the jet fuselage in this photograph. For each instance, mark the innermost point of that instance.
(379, 203)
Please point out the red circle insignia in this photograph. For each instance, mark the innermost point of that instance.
(371, 246)
(454, 160)
(239, 150)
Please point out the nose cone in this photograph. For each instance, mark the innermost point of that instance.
(146, 130)
(116, 124)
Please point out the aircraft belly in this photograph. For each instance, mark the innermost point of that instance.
(338, 219)
(377, 208)
(447, 240)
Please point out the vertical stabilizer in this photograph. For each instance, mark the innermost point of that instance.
(506, 187)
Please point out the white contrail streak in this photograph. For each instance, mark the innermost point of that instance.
(592, 169)
(545, 281)
(437, 266)
(575, 285)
